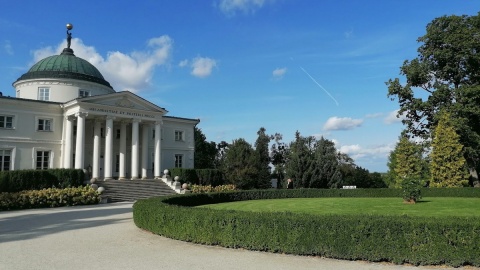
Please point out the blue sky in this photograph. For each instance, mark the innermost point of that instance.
(315, 66)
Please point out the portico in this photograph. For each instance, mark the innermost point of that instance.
(114, 141)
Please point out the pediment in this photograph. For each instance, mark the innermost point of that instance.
(125, 100)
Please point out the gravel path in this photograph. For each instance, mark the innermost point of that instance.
(105, 237)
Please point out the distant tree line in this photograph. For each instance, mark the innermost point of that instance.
(308, 161)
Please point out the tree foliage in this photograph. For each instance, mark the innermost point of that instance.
(262, 159)
(447, 71)
(239, 165)
(409, 161)
(448, 165)
(313, 163)
(205, 152)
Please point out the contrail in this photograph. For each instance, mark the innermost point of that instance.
(318, 84)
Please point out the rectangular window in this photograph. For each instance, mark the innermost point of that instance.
(118, 133)
(6, 121)
(153, 136)
(43, 158)
(84, 93)
(178, 135)
(5, 160)
(44, 125)
(178, 161)
(44, 93)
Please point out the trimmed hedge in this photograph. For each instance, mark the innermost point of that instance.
(15, 181)
(401, 239)
(203, 177)
(51, 197)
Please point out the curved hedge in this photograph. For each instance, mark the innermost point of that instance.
(399, 239)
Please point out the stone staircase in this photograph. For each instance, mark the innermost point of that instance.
(132, 190)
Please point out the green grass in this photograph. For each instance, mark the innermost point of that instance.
(427, 207)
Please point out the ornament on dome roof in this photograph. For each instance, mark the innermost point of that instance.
(69, 35)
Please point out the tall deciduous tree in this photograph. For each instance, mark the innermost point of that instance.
(205, 152)
(326, 166)
(447, 70)
(448, 165)
(299, 160)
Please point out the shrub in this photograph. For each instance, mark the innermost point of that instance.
(51, 197)
(205, 189)
(412, 240)
(411, 190)
(204, 177)
(14, 181)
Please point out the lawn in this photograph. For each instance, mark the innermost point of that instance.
(427, 207)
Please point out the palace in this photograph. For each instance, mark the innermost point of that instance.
(66, 115)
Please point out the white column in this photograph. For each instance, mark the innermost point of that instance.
(96, 149)
(108, 147)
(135, 148)
(80, 143)
(67, 161)
(123, 149)
(158, 138)
(145, 129)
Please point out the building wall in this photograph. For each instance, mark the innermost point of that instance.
(24, 138)
(60, 90)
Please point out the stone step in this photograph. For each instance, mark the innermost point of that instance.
(132, 190)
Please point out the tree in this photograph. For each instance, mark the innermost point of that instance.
(299, 160)
(447, 161)
(326, 171)
(313, 163)
(263, 159)
(447, 70)
(409, 161)
(239, 165)
(205, 152)
(278, 156)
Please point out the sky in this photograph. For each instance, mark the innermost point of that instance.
(314, 66)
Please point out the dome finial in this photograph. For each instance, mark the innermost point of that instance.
(69, 35)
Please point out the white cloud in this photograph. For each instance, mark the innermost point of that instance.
(374, 115)
(357, 152)
(202, 66)
(131, 71)
(345, 123)
(8, 47)
(183, 63)
(279, 72)
(231, 7)
(392, 118)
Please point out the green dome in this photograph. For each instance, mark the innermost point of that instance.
(65, 66)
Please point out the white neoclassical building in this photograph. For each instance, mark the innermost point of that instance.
(66, 115)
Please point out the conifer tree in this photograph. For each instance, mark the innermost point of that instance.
(408, 159)
(448, 164)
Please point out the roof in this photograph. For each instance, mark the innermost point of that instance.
(65, 66)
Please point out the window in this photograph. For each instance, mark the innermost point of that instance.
(44, 93)
(178, 161)
(5, 159)
(118, 133)
(84, 93)
(6, 121)
(153, 136)
(74, 130)
(42, 160)
(44, 125)
(178, 135)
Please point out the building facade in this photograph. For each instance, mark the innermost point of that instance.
(66, 115)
